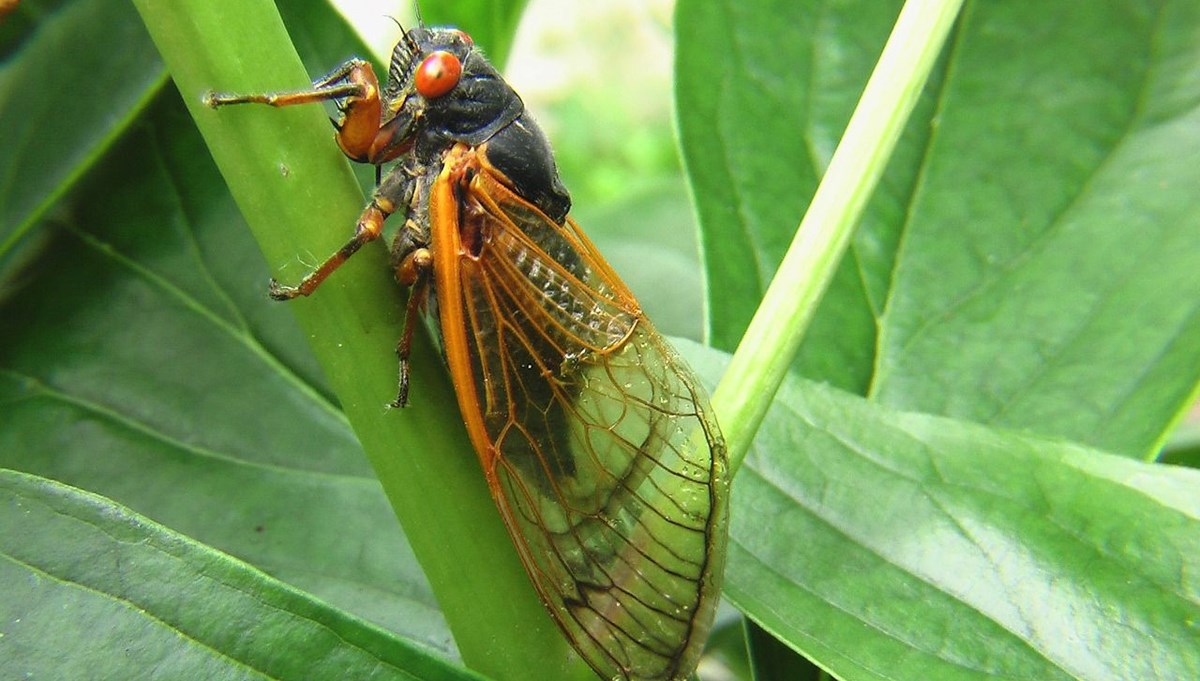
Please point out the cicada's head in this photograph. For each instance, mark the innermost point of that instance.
(441, 85)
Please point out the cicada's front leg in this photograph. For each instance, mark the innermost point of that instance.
(353, 85)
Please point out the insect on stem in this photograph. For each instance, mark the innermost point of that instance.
(596, 440)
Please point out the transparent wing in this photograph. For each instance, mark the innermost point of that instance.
(597, 440)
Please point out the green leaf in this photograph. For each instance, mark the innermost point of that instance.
(909, 546)
(63, 114)
(763, 92)
(96, 578)
(1032, 258)
(1076, 256)
(905, 546)
(178, 390)
(69, 91)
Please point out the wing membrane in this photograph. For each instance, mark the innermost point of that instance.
(597, 440)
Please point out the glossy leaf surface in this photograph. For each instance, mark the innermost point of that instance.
(895, 545)
(104, 578)
(1031, 258)
(1016, 269)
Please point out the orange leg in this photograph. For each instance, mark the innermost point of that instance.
(370, 226)
(353, 82)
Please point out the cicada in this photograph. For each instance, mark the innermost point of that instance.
(596, 439)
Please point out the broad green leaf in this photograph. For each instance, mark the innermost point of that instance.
(1055, 240)
(1031, 258)
(893, 545)
(72, 86)
(763, 91)
(95, 578)
(142, 361)
(175, 367)
(81, 75)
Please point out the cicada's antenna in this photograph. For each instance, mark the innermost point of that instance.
(408, 39)
(403, 31)
(417, 11)
(412, 44)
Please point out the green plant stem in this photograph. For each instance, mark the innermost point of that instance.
(770, 343)
(299, 197)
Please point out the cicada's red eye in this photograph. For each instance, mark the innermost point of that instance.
(465, 37)
(438, 74)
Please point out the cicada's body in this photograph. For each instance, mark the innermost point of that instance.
(597, 441)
